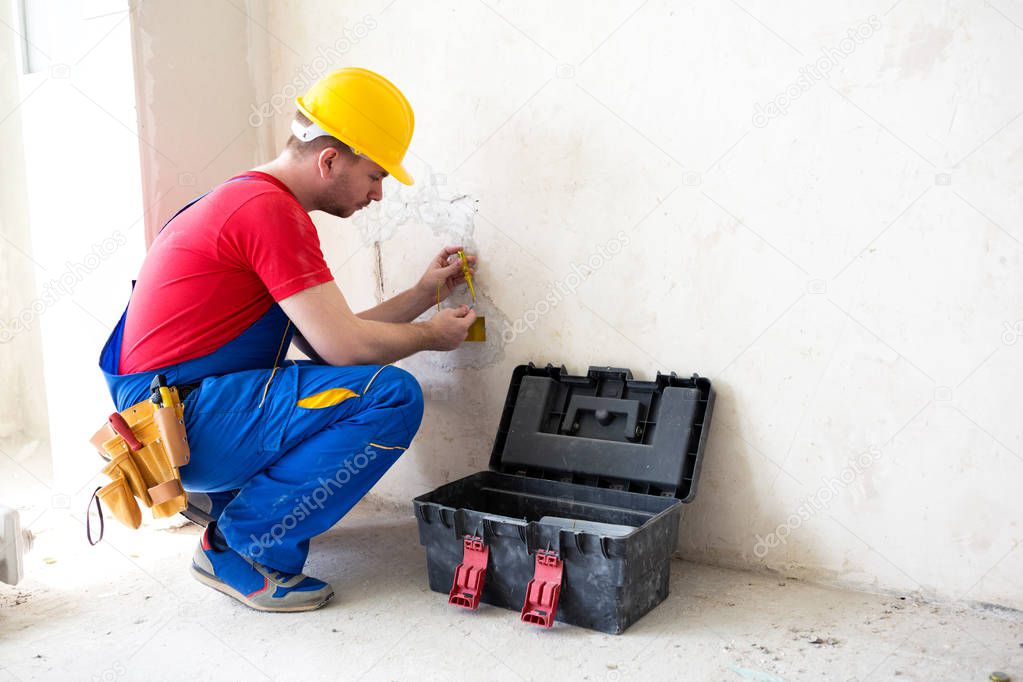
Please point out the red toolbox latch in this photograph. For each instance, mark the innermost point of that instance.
(468, 584)
(543, 590)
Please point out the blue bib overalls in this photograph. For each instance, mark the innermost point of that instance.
(302, 443)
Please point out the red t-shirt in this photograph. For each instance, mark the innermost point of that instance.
(216, 269)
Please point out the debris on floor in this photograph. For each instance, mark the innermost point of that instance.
(829, 641)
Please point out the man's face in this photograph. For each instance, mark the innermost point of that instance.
(352, 183)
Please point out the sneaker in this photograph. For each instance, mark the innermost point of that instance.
(205, 508)
(255, 585)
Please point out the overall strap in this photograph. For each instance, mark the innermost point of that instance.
(194, 201)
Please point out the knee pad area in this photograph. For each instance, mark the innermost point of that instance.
(395, 385)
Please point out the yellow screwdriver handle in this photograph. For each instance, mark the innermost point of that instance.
(467, 273)
(166, 397)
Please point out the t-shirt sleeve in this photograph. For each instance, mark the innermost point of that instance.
(271, 235)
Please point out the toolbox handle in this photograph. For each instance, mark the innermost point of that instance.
(603, 408)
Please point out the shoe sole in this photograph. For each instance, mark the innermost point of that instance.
(212, 581)
(197, 517)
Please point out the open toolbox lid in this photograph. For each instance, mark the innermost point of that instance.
(605, 429)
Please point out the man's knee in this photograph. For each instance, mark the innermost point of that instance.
(399, 394)
(402, 390)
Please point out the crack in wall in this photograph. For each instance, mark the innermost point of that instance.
(378, 272)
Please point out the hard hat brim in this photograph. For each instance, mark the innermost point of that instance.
(400, 174)
(397, 171)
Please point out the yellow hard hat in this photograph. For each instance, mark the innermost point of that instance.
(365, 111)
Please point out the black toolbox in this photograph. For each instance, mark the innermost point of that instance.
(578, 517)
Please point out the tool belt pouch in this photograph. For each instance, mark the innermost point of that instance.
(145, 445)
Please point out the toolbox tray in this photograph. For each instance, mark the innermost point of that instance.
(597, 449)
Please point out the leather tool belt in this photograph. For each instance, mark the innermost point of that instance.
(144, 446)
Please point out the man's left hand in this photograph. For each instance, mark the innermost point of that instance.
(446, 272)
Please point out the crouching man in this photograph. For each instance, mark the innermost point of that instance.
(281, 450)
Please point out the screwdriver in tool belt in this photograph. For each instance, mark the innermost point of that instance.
(160, 393)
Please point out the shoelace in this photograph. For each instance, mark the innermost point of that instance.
(276, 577)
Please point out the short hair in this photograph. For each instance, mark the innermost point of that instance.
(315, 145)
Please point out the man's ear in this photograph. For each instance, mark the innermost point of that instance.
(327, 161)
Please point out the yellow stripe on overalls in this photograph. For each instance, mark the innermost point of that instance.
(328, 398)
(386, 447)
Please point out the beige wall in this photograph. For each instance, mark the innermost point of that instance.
(847, 271)
(839, 253)
(199, 68)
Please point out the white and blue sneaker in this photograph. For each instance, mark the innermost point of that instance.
(253, 584)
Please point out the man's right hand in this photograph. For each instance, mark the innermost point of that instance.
(450, 326)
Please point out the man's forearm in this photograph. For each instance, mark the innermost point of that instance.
(380, 343)
(339, 337)
(405, 307)
(375, 343)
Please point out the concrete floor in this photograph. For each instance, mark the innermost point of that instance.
(128, 609)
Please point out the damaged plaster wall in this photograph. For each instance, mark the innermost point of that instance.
(653, 186)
